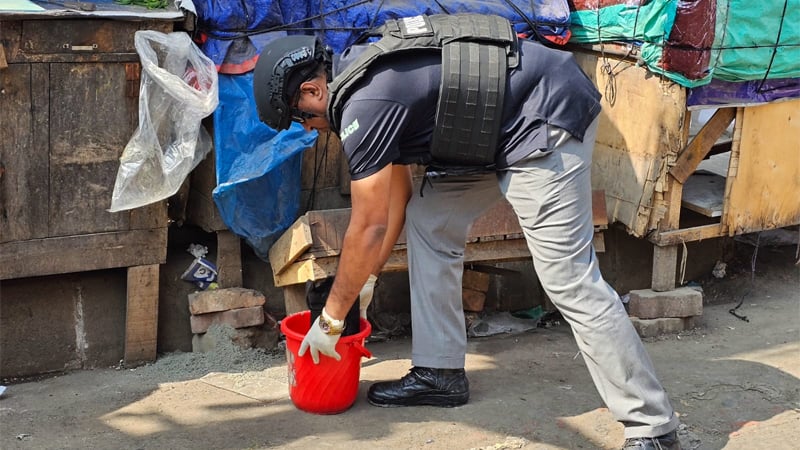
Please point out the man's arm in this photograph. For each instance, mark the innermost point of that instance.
(400, 194)
(363, 240)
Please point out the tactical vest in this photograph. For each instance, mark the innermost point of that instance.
(477, 51)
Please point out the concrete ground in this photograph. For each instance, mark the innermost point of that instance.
(734, 384)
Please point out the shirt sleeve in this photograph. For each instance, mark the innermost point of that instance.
(370, 134)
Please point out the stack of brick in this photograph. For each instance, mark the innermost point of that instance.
(241, 309)
(654, 313)
(474, 286)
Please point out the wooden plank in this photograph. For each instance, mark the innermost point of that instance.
(498, 220)
(44, 43)
(201, 209)
(665, 259)
(102, 36)
(141, 316)
(321, 164)
(310, 269)
(150, 216)
(319, 233)
(696, 151)
(630, 160)
(292, 243)
(229, 259)
(91, 121)
(483, 252)
(764, 187)
(599, 212)
(23, 158)
(3, 60)
(294, 298)
(80, 253)
(703, 193)
(733, 167)
(675, 237)
(328, 228)
(717, 164)
(599, 242)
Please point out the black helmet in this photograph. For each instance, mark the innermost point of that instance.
(282, 66)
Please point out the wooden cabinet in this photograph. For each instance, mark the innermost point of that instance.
(68, 105)
(69, 101)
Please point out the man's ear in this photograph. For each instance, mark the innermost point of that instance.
(315, 87)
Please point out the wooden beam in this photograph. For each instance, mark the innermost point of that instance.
(141, 317)
(697, 150)
(3, 61)
(292, 243)
(599, 212)
(80, 253)
(229, 259)
(665, 259)
(675, 237)
(310, 269)
(294, 298)
(764, 171)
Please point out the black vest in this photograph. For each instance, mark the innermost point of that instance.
(477, 51)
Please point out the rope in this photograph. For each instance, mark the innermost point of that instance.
(774, 48)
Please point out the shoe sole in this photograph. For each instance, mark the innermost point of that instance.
(442, 401)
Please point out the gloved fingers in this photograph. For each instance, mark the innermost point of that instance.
(365, 296)
(303, 348)
(315, 355)
(335, 355)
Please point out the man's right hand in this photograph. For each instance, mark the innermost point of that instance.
(317, 341)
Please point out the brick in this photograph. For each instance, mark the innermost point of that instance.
(263, 336)
(681, 302)
(472, 300)
(475, 280)
(204, 302)
(237, 318)
(664, 325)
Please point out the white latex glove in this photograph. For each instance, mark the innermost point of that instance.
(365, 297)
(316, 341)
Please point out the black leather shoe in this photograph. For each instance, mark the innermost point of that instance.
(667, 441)
(423, 386)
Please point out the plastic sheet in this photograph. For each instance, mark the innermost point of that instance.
(258, 169)
(178, 89)
(724, 93)
(233, 34)
(692, 42)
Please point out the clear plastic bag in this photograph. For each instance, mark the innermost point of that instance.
(179, 87)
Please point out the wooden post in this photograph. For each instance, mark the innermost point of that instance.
(141, 318)
(294, 298)
(229, 259)
(665, 259)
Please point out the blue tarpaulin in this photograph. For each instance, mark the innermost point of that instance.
(258, 170)
(233, 34)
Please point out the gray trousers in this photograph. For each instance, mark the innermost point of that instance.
(551, 196)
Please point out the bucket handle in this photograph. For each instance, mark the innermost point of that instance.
(360, 347)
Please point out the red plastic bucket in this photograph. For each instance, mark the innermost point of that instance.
(331, 386)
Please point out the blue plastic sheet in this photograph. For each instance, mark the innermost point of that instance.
(235, 32)
(258, 169)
